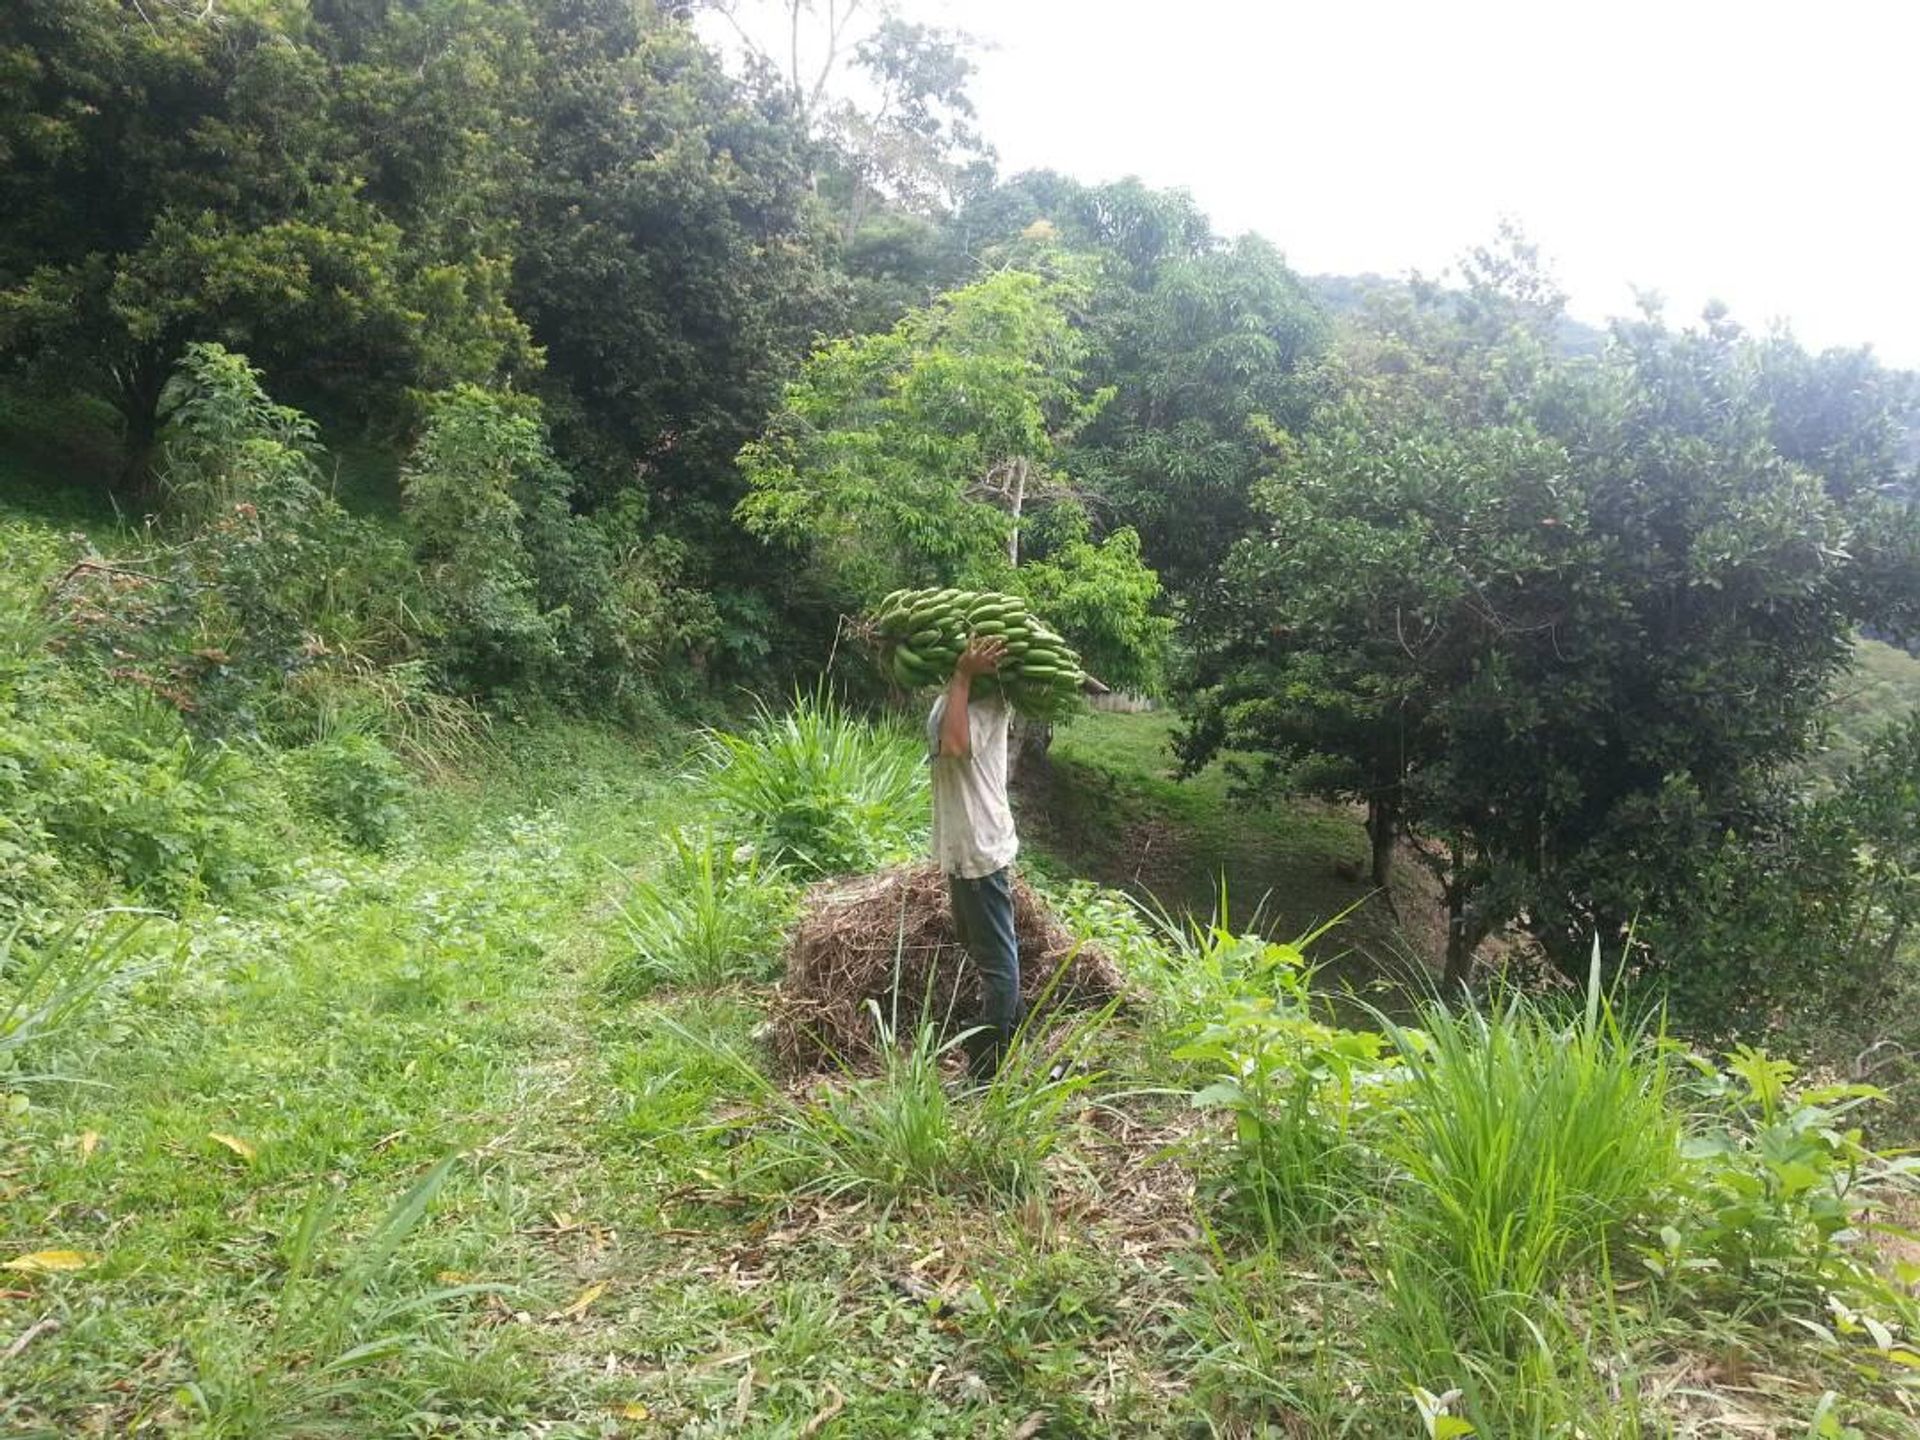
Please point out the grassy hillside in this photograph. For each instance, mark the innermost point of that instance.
(1114, 809)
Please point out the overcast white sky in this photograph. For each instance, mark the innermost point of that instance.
(1764, 153)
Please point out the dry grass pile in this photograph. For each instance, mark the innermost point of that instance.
(857, 936)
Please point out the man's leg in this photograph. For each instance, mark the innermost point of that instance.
(983, 918)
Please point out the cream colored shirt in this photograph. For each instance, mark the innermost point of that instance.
(972, 822)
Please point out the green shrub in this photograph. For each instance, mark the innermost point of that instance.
(819, 789)
(1110, 918)
(121, 788)
(1776, 1210)
(1299, 1093)
(353, 783)
(461, 484)
(713, 916)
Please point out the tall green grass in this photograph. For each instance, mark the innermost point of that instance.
(820, 789)
(338, 1331)
(914, 1127)
(712, 916)
(1527, 1146)
(48, 987)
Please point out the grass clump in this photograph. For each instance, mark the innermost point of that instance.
(336, 1329)
(1529, 1149)
(49, 987)
(915, 1127)
(715, 914)
(819, 789)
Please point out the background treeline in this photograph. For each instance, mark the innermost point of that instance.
(457, 356)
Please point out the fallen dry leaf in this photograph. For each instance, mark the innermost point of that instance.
(1029, 1427)
(581, 1302)
(832, 1408)
(43, 1262)
(234, 1143)
(743, 1401)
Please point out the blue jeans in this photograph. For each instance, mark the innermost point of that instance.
(983, 920)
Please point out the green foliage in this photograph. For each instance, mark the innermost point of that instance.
(459, 485)
(1813, 898)
(522, 594)
(713, 915)
(818, 789)
(1104, 596)
(46, 986)
(192, 177)
(335, 1328)
(1206, 346)
(925, 457)
(120, 789)
(891, 459)
(353, 783)
(1778, 1200)
(667, 258)
(256, 579)
(1561, 623)
(1295, 1090)
(1882, 686)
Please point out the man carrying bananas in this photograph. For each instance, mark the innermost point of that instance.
(974, 841)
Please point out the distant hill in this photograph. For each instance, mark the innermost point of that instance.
(1882, 687)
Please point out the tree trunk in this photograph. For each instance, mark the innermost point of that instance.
(1458, 976)
(1383, 826)
(1465, 930)
(139, 405)
(1017, 499)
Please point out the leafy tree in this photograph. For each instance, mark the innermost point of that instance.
(909, 456)
(183, 175)
(460, 482)
(521, 592)
(1559, 623)
(666, 256)
(1206, 365)
(923, 456)
(1204, 344)
(909, 140)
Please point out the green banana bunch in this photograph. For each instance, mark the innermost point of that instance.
(920, 634)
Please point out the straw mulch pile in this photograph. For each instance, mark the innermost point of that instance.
(857, 935)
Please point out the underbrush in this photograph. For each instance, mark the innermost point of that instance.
(228, 1127)
(233, 1128)
(819, 789)
(713, 914)
(917, 1127)
(1524, 1211)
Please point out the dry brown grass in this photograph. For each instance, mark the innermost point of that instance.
(889, 938)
